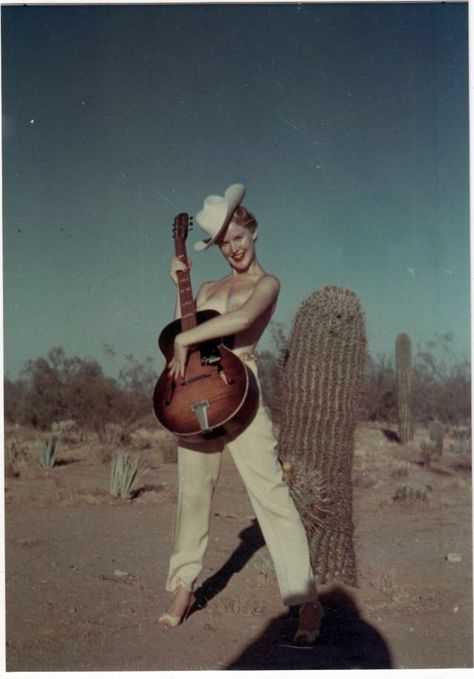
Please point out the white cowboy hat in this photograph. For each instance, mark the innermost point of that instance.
(217, 213)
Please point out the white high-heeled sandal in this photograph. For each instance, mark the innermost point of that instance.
(168, 621)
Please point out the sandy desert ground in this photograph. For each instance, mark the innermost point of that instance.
(85, 571)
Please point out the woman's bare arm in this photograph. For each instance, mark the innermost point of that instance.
(232, 322)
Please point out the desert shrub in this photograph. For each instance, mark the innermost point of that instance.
(427, 453)
(15, 456)
(111, 435)
(462, 440)
(126, 470)
(437, 432)
(47, 452)
(441, 385)
(378, 401)
(399, 470)
(408, 495)
(68, 432)
(56, 388)
(13, 395)
(169, 450)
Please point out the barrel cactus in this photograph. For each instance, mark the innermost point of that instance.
(321, 384)
(403, 377)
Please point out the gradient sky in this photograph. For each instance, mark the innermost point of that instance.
(347, 123)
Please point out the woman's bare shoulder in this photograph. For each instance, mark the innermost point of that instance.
(269, 281)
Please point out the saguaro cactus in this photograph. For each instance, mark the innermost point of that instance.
(322, 380)
(403, 372)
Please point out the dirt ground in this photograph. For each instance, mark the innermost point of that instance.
(85, 572)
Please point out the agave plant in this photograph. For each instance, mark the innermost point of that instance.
(47, 452)
(126, 470)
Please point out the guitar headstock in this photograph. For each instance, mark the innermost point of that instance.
(181, 225)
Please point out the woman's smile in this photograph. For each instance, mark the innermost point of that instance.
(238, 256)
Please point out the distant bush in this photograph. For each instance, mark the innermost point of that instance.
(56, 389)
(441, 387)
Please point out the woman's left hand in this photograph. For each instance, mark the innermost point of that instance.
(177, 365)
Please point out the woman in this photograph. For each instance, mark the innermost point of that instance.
(246, 300)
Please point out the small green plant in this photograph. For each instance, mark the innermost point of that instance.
(47, 452)
(126, 470)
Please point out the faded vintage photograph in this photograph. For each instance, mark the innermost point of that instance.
(236, 347)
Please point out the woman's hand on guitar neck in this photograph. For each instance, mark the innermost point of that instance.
(178, 264)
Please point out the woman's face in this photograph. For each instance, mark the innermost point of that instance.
(238, 246)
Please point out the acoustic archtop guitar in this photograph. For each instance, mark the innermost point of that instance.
(218, 394)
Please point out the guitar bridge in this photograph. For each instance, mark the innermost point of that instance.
(200, 409)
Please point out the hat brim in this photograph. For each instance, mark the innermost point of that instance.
(233, 195)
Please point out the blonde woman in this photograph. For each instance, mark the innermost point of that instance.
(246, 299)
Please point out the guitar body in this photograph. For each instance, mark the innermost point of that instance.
(218, 395)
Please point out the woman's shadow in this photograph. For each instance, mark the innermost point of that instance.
(346, 641)
(251, 540)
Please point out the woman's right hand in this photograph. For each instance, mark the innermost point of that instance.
(178, 265)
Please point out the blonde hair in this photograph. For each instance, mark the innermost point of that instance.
(243, 217)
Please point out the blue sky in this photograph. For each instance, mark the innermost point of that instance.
(348, 124)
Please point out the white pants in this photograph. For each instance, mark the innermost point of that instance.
(254, 455)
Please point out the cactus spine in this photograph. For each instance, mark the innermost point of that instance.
(403, 373)
(322, 380)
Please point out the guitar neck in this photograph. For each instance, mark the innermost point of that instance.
(186, 300)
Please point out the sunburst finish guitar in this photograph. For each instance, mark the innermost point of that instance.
(218, 394)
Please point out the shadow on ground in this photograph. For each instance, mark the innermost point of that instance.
(251, 540)
(346, 642)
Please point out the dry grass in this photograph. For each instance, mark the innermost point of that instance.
(400, 470)
(411, 494)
